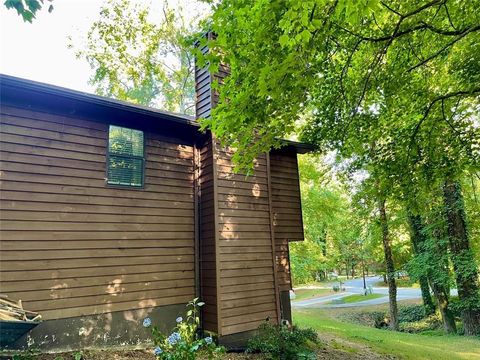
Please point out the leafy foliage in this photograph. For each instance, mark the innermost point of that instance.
(141, 60)
(27, 9)
(411, 313)
(284, 343)
(183, 343)
(391, 87)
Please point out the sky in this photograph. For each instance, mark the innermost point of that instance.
(38, 51)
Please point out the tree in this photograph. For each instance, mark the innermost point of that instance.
(139, 60)
(431, 264)
(387, 248)
(27, 9)
(392, 86)
(324, 208)
(466, 271)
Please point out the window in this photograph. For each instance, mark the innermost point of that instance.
(125, 157)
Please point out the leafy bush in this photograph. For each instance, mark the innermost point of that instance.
(184, 343)
(284, 343)
(411, 313)
(432, 322)
(376, 319)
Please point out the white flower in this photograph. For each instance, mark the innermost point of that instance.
(147, 322)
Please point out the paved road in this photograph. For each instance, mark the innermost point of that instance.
(355, 286)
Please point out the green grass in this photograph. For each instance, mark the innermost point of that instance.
(405, 282)
(302, 294)
(356, 298)
(325, 283)
(404, 345)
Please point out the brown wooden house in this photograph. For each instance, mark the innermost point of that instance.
(112, 212)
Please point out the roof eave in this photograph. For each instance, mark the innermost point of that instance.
(34, 86)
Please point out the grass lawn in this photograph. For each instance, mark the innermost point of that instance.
(403, 345)
(356, 298)
(322, 283)
(303, 294)
(407, 283)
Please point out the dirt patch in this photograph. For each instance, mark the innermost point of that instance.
(331, 348)
(336, 348)
(119, 355)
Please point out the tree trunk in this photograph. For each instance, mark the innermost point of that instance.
(448, 319)
(439, 279)
(387, 248)
(436, 271)
(417, 238)
(466, 271)
(364, 281)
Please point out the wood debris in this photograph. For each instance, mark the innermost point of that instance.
(13, 311)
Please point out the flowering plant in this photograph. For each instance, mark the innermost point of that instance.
(184, 343)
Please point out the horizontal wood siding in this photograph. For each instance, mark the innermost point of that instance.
(287, 210)
(247, 292)
(208, 268)
(71, 245)
(203, 89)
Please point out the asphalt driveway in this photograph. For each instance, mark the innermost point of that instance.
(355, 286)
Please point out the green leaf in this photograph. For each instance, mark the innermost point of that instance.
(284, 40)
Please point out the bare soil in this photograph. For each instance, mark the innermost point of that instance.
(337, 348)
(330, 348)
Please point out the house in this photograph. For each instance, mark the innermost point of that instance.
(112, 212)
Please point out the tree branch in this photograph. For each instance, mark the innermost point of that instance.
(449, 17)
(421, 26)
(413, 12)
(442, 98)
(345, 68)
(433, 56)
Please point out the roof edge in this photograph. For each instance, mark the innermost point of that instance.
(300, 147)
(16, 82)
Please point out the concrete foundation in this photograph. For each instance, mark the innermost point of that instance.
(123, 328)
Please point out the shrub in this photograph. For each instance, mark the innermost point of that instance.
(377, 319)
(411, 313)
(184, 343)
(284, 343)
(432, 322)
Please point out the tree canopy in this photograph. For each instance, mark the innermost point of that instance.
(393, 87)
(27, 9)
(138, 58)
(350, 72)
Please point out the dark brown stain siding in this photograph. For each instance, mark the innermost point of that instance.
(287, 209)
(72, 246)
(247, 277)
(208, 267)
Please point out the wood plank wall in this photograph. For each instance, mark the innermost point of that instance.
(245, 275)
(72, 246)
(287, 210)
(247, 284)
(208, 268)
